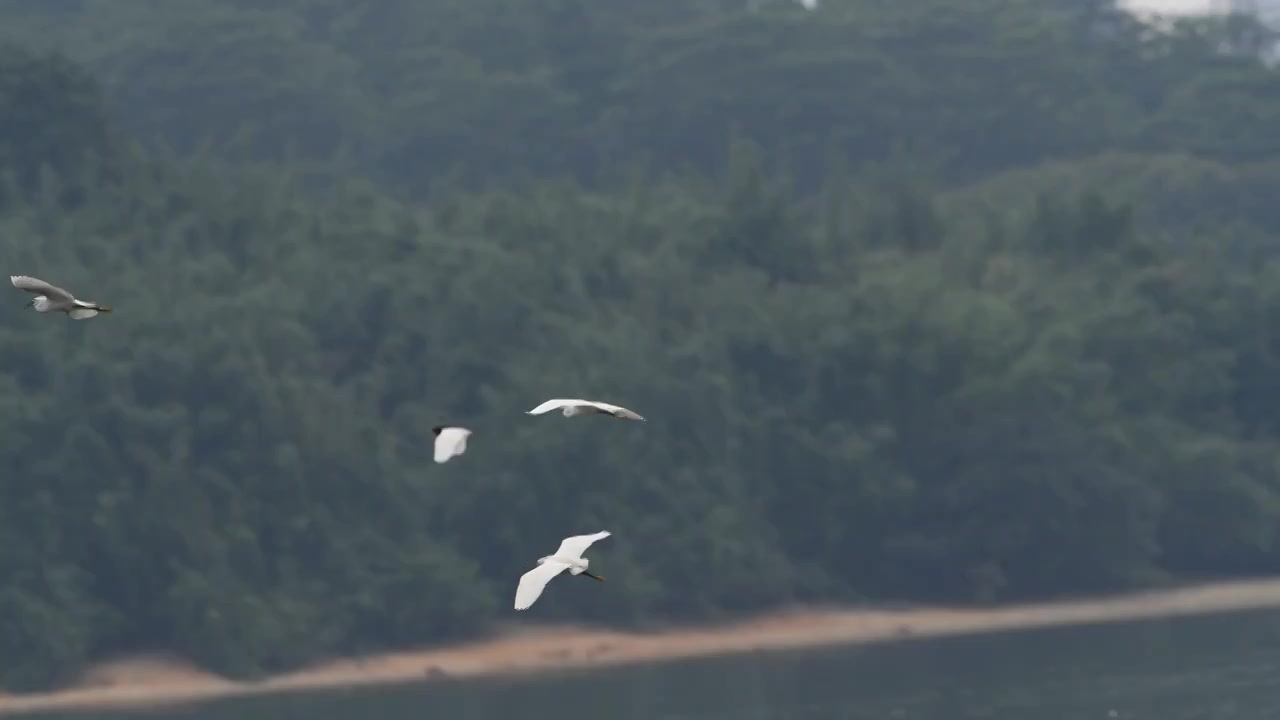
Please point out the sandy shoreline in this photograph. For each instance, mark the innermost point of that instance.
(142, 682)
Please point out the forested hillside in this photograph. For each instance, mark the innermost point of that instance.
(929, 301)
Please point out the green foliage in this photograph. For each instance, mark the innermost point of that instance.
(427, 95)
(923, 302)
(34, 89)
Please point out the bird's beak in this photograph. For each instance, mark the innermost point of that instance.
(597, 577)
(104, 309)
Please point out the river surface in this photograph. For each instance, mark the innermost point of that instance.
(1203, 668)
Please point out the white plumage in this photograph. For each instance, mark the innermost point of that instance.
(571, 407)
(51, 298)
(450, 441)
(567, 557)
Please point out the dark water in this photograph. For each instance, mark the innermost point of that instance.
(1207, 668)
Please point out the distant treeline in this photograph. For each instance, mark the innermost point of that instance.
(441, 94)
(925, 301)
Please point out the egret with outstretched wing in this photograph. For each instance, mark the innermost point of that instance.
(51, 298)
(567, 557)
(450, 441)
(584, 407)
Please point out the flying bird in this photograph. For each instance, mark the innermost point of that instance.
(50, 298)
(450, 441)
(567, 557)
(584, 407)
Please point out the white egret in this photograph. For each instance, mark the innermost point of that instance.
(584, 407)
(567, 557)
(50, 298)
(450, 441)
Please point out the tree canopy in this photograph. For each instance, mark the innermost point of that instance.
(928, 301)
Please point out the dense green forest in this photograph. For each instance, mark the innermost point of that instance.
(933, 301)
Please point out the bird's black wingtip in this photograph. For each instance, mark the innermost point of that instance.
(437, 429)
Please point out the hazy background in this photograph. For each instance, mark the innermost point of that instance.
(1178, 6)
(929, 301)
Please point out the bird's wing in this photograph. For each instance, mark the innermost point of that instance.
(573, 547)
(615, 410)
(39, 287)
(554, 404)
(532, 582)
(450, 441)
